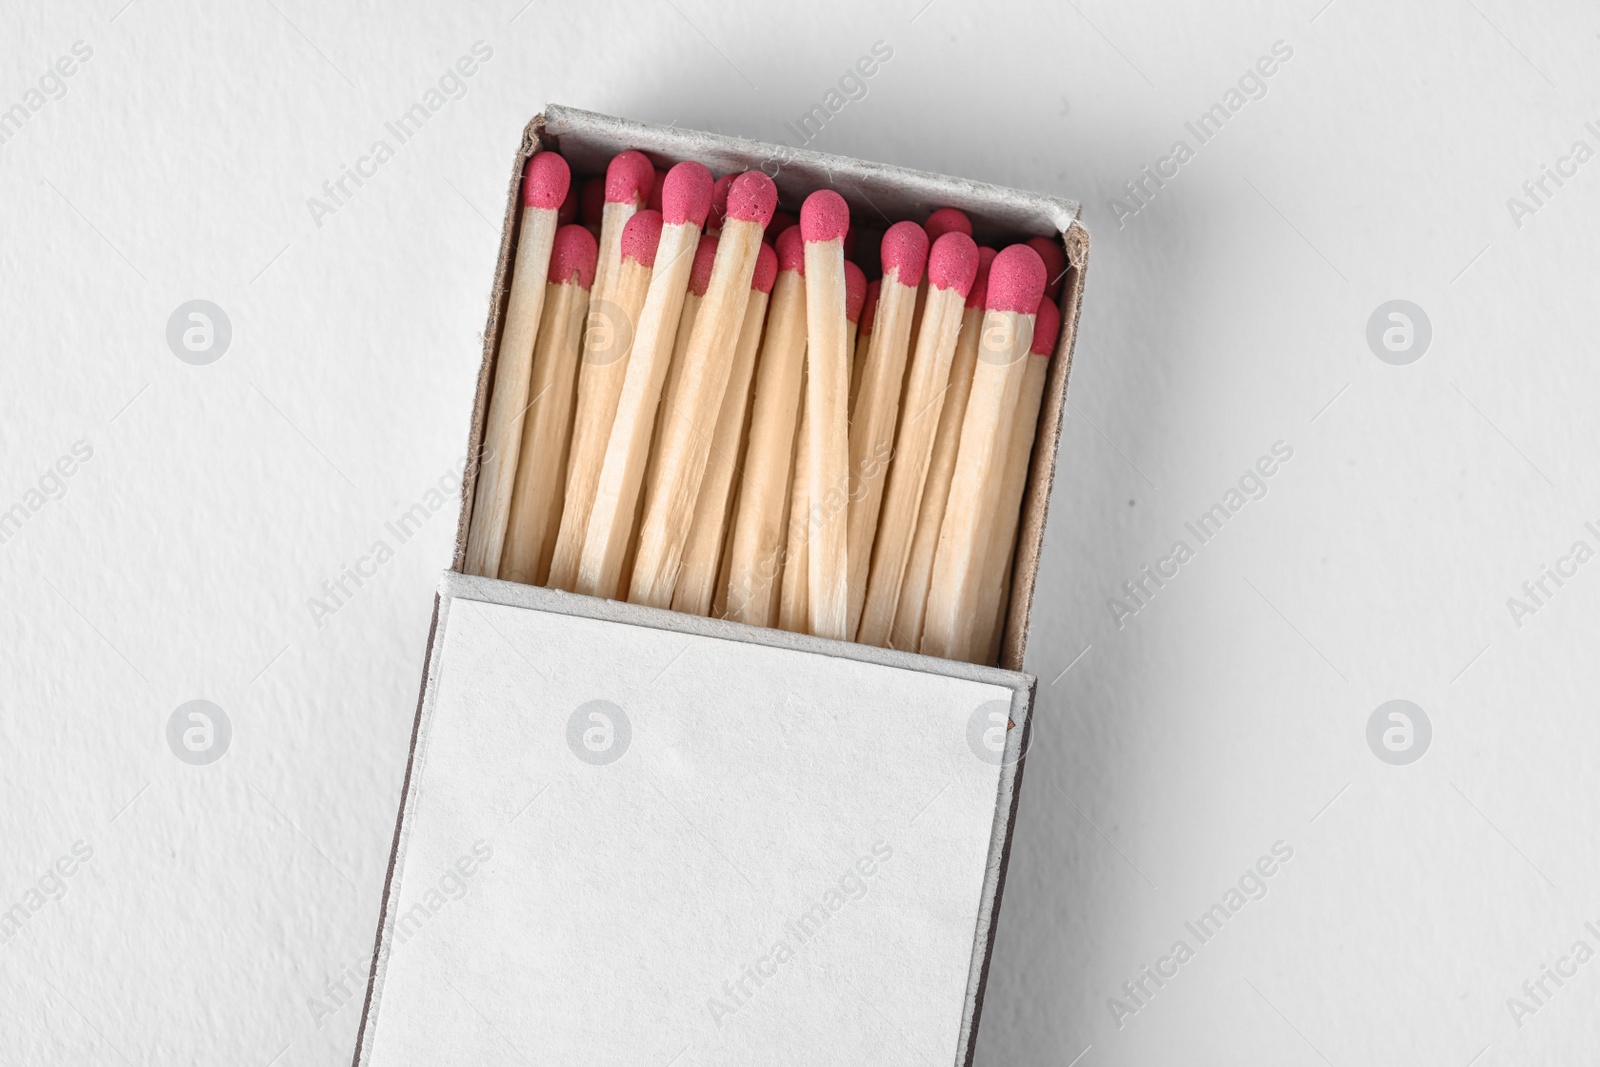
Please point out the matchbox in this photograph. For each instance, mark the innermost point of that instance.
(629, 835)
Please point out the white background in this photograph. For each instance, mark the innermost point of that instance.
(1227, 314)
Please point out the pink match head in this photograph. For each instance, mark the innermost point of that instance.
(791, 251)
(574, 252)
(591, 206)
(752, 198)
(719, 199)
(545, 181)
(953, 262)
(766, 270)
(824, 217)
(641, 236)
(869, 307)
(655, 190)
(686, 194)
(569, 206)
(980, 284)
(781, 220)
(1016, 281)
(855, 291)
(1055, 263)
(1046, 328)
(946, 220)
(705, 257)
(905, 251)
(629, 178)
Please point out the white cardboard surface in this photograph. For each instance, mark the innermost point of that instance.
(821, 821)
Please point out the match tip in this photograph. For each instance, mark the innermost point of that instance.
(869, 306)
(752, 198)
(905, 251)
(855, 291)
(641, 236)
(947, 220)
(953, 262)
(574, 252)
(545, 182)
(705, 257)
(1055, 263)
(686, 194)
(980, 283)
(1046, 328)
(791, 251)
(824, 217)
(629, 177)
(719, 199)
(1016, 281)
(766, 270)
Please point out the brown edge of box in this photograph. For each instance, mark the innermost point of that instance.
(1030, 534)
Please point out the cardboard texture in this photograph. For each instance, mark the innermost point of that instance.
(592, 913)
(602, 907)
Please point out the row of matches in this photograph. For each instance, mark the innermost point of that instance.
(701, 404)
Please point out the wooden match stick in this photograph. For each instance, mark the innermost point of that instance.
(542, 466)
(1016, 285)
(702, 558)
(793, 610)
(996, 589)
(705, 258)
(824, 218)
(611, 329)
(686, 194)
(952, 267)
(940, 222)
(708, 362)
(756, 547)
(907, 632)
(699, 277)
(629, 177)
(904, 253)
(544, 186)
(863, 342)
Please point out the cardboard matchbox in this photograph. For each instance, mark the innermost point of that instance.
(633, 836)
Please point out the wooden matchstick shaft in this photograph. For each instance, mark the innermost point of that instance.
(542, 466)
(926, 387)
(502, 434)
(687, 432)
(950, 627)
(621, 478)
(697, 579)
(793, 612)
(758, 527)
(873, 426)
(913, 598)
(994, 592)
(828, 438)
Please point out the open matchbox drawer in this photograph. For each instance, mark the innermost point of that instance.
(635, 836)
